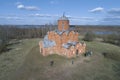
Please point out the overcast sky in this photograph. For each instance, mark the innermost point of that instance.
(80, 12)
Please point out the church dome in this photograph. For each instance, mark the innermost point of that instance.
(63, 17)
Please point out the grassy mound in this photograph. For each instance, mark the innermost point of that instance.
(31, 65)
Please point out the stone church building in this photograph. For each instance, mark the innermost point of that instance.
(62, 41)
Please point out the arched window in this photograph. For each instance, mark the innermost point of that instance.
(41, 50)
(77, 52)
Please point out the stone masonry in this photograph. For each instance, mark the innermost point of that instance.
(63, 41)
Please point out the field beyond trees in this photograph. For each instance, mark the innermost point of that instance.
(23, 61)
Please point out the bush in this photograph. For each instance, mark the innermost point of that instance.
(3, 39)
(112, 38)
(2, 45)
(89, 36)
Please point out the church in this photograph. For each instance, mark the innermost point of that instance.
(62, 41)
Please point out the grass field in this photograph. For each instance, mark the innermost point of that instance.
(24, 62)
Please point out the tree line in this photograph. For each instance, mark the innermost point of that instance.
(112, 38)
(8, 32)
(14, 32)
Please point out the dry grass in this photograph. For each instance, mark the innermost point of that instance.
(13, 59)
(29, 64)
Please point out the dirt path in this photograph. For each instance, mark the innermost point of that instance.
(37, 67)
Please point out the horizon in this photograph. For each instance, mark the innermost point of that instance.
(56, 25)
(79, 12)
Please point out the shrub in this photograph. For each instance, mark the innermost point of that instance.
(2, 45)
(3, 39)
(112, 38)
(89, 36)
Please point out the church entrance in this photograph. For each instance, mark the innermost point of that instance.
(76, 52)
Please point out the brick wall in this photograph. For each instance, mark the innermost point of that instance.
(71, 52)
(64, 38)
(61, 39)
(61, 23)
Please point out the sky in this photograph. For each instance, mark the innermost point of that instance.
(79, 12)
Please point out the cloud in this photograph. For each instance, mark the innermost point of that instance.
(43, 15)
(53, 2)
(82, 18)
(57, 16)
(111, 20)
(14, 18)
(112, 17)
(11, 18)
(86, 18)
(31, 8)
(114, 11)
(98, 9)
(21, 6)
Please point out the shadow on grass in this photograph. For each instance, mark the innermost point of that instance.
(13, 43)
(6, 47)
(6, 50)
(112, 55)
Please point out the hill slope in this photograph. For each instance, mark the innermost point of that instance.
(31, 65)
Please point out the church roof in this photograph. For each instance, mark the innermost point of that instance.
(69, 44)
(63, 17)
(48, 43)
